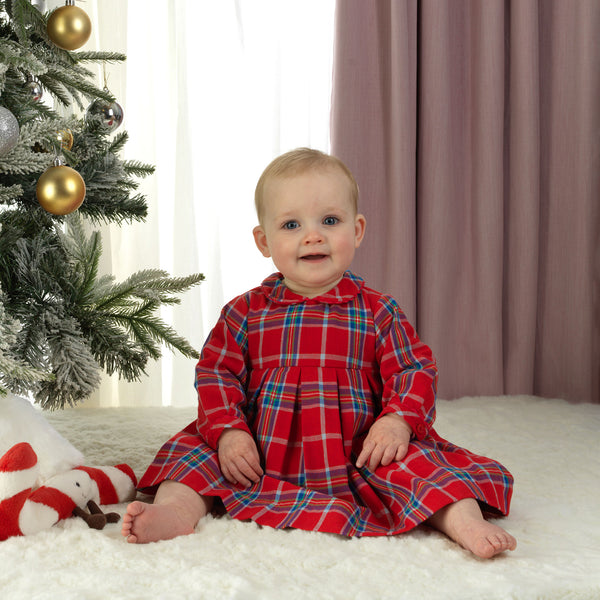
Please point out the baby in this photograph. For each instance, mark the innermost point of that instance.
(316, 398)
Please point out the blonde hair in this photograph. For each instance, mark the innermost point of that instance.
(297, 162)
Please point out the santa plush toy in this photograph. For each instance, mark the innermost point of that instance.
(30, 503)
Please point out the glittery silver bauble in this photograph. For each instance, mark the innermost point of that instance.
(35, 89)
(9, 131)
(111, 113)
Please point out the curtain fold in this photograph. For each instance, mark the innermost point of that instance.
(473, 129)
(521, 197)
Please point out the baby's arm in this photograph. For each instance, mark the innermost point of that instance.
(222, 376)
(409, 374)
(386, 442)
(238, 456)
(407, 368)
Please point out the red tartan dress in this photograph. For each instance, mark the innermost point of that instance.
(307, 378)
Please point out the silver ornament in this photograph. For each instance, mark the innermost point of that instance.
(35, 89)
(9, 131)
(111, 113)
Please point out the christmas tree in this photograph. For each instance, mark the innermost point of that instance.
(61, 322)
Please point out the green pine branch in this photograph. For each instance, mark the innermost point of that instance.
(13, 56)
(67, 85)
(27, 21)
(75, 372)
(128, 307)
(9, 194)
(75, 323)
(23, 158)
(117, 143)
(137, 169)
(12, 369)
(96, 56)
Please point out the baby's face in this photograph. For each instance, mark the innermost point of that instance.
(310, 229)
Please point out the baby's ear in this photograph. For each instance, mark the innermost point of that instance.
(360, 225)
(260, 238)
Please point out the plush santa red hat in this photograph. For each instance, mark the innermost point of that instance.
(18, 472)
(24, 510)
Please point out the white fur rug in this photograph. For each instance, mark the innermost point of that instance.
(551, 447)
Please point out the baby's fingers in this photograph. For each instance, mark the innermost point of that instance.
(363, 457)
(227, 473)
(252, 468)
(401, 452)
(390, 454)
(376, 457)
(240, 472)
(371, 453)
(384, 454)
(249, 462)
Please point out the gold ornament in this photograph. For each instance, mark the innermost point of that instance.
(69, 27)
(65, 137)
(60, 190)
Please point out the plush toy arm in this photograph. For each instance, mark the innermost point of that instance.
(95, 519)
(111, 517)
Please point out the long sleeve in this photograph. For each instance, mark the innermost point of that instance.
(407, 368)
(221, 375)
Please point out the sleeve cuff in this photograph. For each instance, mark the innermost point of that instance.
(213, 435)
(419, 428)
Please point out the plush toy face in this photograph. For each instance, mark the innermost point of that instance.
(75, 484)
(55, 501)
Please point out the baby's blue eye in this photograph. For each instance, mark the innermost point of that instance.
(291, 225)
(330, 220)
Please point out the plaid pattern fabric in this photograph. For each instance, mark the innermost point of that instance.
(307, 378)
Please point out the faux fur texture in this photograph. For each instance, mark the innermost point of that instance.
(551, 447)
(22, 422)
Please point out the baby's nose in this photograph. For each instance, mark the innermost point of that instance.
(313, 236)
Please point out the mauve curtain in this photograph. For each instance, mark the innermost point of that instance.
(473, 129)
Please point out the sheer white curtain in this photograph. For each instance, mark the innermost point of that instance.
(211, 92)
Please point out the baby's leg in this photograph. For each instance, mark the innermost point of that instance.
(175, 511)
(463, 522)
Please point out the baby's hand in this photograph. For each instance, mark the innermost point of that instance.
(387, 441)
(238, 457)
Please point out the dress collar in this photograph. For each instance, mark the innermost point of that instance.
(347, 289)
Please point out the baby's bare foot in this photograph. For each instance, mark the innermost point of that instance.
(464, 523)
(143, 523)
(485, 539)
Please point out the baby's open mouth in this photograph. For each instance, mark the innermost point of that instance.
(313, 256)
